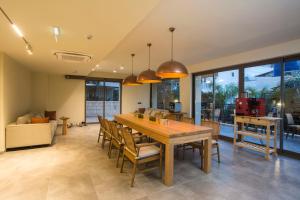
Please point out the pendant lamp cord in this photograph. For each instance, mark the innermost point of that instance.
(132, 55)
(149, 45)
(172, 29)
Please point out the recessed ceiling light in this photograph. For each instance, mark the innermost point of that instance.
(93, 69)
(97, 65)
(17, 30)
(56, 32)
(121, 67)
(114, 71)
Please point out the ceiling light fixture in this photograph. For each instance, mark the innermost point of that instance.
(18, 32)
(148, 76)
(131, 80)
(56, 32)
(172, 68)
(121, 67)
(114, 71)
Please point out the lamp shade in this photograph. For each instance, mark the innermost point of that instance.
(172, 69)
(148, 76)
(131, 80)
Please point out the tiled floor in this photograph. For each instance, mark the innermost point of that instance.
(75, 167)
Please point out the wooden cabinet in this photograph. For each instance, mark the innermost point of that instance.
(241, 130)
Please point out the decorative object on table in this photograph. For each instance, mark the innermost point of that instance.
(152, 118)
(140, 115)
(148, 76)
(64, 127)
(172, 68)
(131, 80)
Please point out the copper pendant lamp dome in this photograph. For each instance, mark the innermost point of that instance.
(131, 80)
(172, 68)
(148, 76)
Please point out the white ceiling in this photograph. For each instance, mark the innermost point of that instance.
(109, 21)
(205, 29)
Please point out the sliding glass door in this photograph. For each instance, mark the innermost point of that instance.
(264, 81)
(204, 98)
(226, 91)
(102, 98)
(215, 98)
(291, 141)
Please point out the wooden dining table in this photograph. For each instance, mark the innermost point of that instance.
(170, 134)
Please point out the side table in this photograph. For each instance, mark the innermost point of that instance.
(64, 127)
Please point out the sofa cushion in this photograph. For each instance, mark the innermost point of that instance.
(25, 119)
(36, 120)
(50, 114)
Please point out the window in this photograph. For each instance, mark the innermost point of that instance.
(102, 98)
(165, 92)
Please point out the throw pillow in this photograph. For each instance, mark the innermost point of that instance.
(51, 115)
(36, 120)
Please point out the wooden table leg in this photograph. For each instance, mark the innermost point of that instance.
(169, 164)
(267, 151)
(207, 155)
(64, 131)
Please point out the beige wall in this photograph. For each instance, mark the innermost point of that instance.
(67, 97)
(185, 94)
(2, 129)
(54, 92)
(15, 93)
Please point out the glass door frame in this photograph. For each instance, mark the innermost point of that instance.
(104, 80)
(241, 67)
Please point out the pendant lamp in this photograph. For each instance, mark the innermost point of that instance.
(131, 80)
(172, 68)
(148, 76)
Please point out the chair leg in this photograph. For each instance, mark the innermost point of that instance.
(109, 149)
(103, 140)
(160, 163)
(122, 164)
(218, 151)
(133, 174)
(119, 153)
(99, 136)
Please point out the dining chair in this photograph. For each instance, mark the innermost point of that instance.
(116, 141)
(101, 130)
(106, 132)
(291, 126)
(139, 153)
(215, 144)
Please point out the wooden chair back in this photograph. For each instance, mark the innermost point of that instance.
(214, 125)
(115, 131)
(129, 141)
(290, 119)
(106, 126)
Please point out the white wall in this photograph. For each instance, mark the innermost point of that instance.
(132, 95)
(15, 93)
(282, 49)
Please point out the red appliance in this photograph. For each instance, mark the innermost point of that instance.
(250, 107)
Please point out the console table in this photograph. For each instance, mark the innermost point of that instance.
(240, 123)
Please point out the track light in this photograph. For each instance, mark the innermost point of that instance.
(17, 30)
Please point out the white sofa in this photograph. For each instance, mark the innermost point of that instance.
(23, 134)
